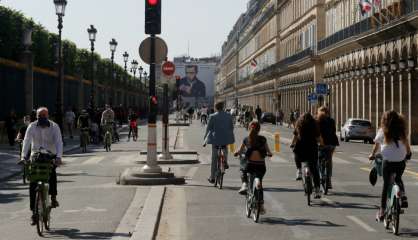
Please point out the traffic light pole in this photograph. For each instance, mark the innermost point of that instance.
(165, 153)
(152, 165)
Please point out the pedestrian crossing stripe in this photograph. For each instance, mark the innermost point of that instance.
(94, 160)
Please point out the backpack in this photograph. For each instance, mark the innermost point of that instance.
(260, 146)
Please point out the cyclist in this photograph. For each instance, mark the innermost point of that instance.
(328, 139)
(108, 119)
(256, 150)
(133, 127)
(190, 111)
(83, 123)
(395, 149)
(44, 134)
(219, 132)
(305, 147)
(204, 115)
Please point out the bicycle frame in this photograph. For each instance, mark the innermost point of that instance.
(307, 182)
(253, 202)
(220, 168)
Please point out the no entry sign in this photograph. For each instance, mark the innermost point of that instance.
(168, 68)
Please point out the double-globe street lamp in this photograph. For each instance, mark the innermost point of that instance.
(92, 37)
(125, 59)
(113, 44)
(60, 11)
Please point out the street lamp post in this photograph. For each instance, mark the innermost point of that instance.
(60, 11)
(113, 44)
(140, 70)
(28, 60)
(92, 37)
(125, 59)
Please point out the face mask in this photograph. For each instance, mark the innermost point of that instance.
(43, 121)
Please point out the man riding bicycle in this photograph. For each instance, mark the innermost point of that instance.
(219, 132)
(108, 119)
(43, 134)
(204, 115)
(83, 124)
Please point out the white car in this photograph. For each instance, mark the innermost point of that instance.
(358, 129)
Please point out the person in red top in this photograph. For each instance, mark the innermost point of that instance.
(133, 125)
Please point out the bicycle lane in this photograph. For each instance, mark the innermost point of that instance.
(219, 214)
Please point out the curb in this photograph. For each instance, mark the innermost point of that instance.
(147, 225)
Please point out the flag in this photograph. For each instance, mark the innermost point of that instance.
(254, 63)
(365, 6)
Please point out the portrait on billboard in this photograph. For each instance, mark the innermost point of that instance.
(190, 85)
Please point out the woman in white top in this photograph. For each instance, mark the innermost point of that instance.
(392, 141)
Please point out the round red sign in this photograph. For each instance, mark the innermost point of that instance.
(168, 68)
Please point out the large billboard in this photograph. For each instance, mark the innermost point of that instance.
(196, 85)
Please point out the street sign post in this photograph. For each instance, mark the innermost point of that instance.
(168, 68)
(321, 88)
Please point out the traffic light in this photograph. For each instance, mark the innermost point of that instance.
(152, 16)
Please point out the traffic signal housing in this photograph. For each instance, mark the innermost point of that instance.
(153, 16)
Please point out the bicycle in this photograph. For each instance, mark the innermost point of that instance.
(39, 171)
(307, 182)
(84, 139)
(24, 167)
(220, 168)
(393, 203)
(323, 170)
(108, 137)
(253, 197)
(204, 120)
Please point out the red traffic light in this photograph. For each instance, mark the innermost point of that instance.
(154, 100)
(152, 2)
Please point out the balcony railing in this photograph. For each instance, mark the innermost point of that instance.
(298, 56)
(407, 7)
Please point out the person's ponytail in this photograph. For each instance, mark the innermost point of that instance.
(254, 130)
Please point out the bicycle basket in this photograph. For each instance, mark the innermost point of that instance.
(39, 172)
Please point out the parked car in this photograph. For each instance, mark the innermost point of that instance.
(358, 129)
(268, 117)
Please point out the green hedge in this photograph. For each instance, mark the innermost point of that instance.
(76, 61)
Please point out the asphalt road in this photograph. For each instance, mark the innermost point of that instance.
(200, 211)
(92, 205)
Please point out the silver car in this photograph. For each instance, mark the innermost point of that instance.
(357, 129)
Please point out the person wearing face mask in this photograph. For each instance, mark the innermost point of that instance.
(43, 134)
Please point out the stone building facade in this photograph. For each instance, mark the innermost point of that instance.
(367, 60)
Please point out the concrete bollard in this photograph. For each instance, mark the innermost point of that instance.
(277, 142)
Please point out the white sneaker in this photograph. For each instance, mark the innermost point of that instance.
(298, 174)
(244, 188)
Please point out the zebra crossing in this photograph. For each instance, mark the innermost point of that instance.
(122, 159)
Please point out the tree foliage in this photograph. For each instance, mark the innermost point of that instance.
(77, 62)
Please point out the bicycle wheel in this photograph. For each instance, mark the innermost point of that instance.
(396, 209)
(39, 212)
(257, 206)
(308, 190)
(24, 174)
(47, 218)
(248, 201)
(221, 180)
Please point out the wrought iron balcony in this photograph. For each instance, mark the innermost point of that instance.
(308, 52)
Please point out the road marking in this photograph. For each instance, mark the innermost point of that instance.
(69, 159)
(412, 173)
(297, 231)
(190, 174)
(125, 160)
(340, 160)
(93, 160)
(361, 223)
(366, 169)
(360, 159)
(330, 202)
(278, 159)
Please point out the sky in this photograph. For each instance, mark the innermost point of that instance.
(201, 24)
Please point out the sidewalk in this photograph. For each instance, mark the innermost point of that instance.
(9, 156)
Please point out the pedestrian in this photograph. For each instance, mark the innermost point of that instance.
(291, 119)
(11, 127)
(258, 113)
(69, 120)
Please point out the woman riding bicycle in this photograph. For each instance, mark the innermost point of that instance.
(256, 150)
(305, 147)
(395, 149)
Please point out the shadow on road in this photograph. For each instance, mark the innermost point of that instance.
(278, 189)
(354, 195)
(11, 197)
(299, 222)
(408, 233)
(72, 233)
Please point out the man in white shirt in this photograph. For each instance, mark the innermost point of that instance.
(43, 134)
